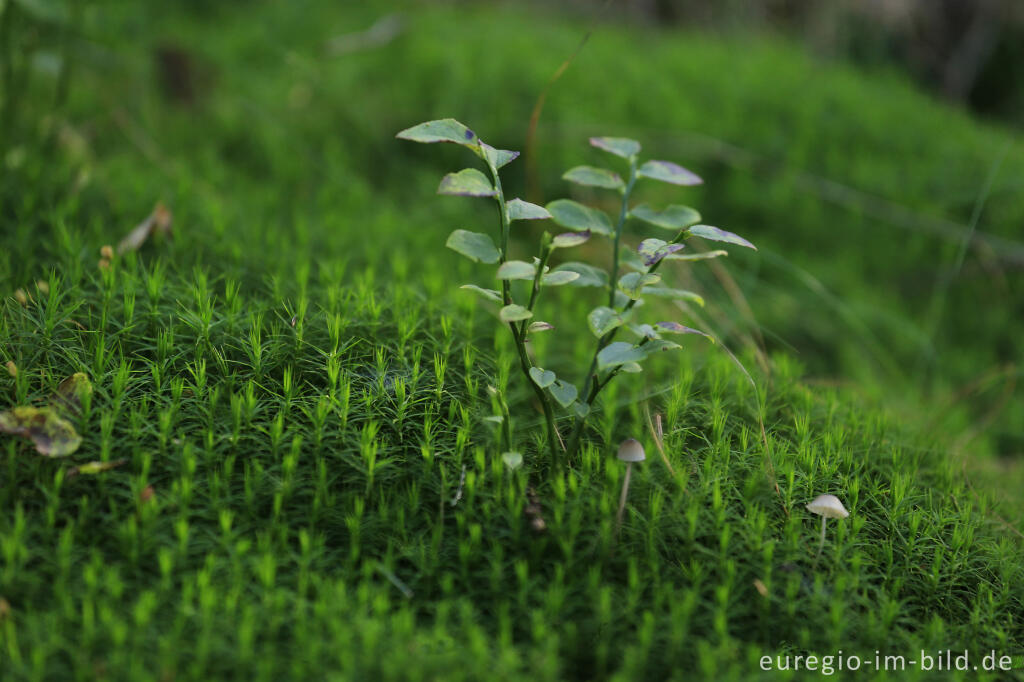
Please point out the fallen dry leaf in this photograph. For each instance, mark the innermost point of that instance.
(92, 468)
(52, 435)
(12, 368)
(761, 588)
(158, 221)
(71, 392)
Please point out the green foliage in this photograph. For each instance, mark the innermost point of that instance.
(609, 356)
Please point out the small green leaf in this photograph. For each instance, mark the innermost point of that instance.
(555, 279)
(619, 353)
(718, 235)
(603, 319)
(563, 392)
(631, 368)
(539, 327)
(619, 146)
(514, 313)
(498, 158)
(542, 377)
(569, 239)
(581, 409)
(676, 328)
(513, 460)
(442, 130)
(594, 177)
(474, 246)
(468, 182)
(524, 210)
(666, 171)
(489, 294)
(677, 294)
(576, 216)
(589, 275)
(644, 330)
(517, 269)
(632, 283)
(653, 250)
(696, 256)
(674, 217)
(657, 346)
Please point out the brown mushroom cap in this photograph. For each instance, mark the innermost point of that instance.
(631, 451)
(828, 506)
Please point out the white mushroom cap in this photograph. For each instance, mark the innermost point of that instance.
(631, 451)
(828, 506)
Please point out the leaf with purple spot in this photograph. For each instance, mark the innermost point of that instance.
(468, 182)
(441, 130)
(540, 327)
(669, 172)
(570, 239)
(716, 234)
(653, 250)
(676, 328)
(619, 146)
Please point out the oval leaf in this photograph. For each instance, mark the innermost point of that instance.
(555, 279)
(666, 171)
(513, 460)
(718, 235)
(570, 239)
(441, 130)
(696, 256)
(675, 217)
(576, 216)
(474, 246)
(581, 409)
(563, 392)
(539, 327)
(589, 275)
(524, 210)
(602, 320)
(594, 177)
(619, 353)
(653, 250)
(468, 182)
(677, 294)
(632, 283)
(489, 294)
(542, 377)
(619, 146)
(516, 269)
(514, 313)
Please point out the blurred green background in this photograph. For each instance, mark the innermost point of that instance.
(884, 189)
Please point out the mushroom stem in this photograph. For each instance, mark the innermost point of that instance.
(622, 498)
(822, 545)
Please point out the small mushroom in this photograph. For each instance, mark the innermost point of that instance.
(827, 507)
(630, 451)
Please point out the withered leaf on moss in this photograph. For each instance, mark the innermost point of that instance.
(52, 435)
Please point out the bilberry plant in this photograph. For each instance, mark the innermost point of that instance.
(625, 291)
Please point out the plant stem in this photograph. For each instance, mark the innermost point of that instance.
(622, 498)
(519, 335)
(821, 546)
(623, 212)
